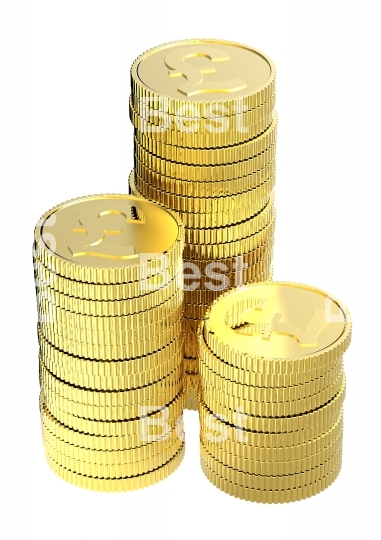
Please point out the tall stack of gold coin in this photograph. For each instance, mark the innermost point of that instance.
(272, 390)
(205, 134)
(110, 335)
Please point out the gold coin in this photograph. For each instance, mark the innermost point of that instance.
(250, 399)
(106, 238)
(221, 281)
(111, 399)
(211, 156)
(214, 365)
(236, 264)
(179, 131)
(199, 220)
(129, 336)
(114, 457)
(204, 173)
(267, 394)
(270, 496)
(142, 344)
(133, 371)
(321, 416)
(70, 311)
(275, 468)
(239, 122)
(217, 188)
(113, 470)
(237, 248)
(154, 290)
(278, 328)
(202, 74)
(157, 425)
(256, 198)
(214, 277)
(55, 303)
(239, 439)
(213, 123)
(118, 484)
(220, 439)
(110, 375)
(272, 483)
(61, 406)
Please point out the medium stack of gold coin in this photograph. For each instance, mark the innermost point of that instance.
(111, 342)
(205, 134)
(272, 390)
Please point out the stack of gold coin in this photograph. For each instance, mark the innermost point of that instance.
(111, 342)
(272, 390)
(205, 134)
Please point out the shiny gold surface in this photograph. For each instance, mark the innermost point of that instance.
(272, 387)
(203, 72)
(101, 238)
(205, 140)
(111, 343)
(278, 321)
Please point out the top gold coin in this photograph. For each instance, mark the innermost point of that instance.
(202, 78)
(108, 239)
(277, 322)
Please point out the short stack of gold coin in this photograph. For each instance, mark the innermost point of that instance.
(272, 390)
(111, 342)
(205, 135)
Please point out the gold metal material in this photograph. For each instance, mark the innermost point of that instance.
(61, 406)
(272, 483)
(100, 238)
(192, 391)
(199, 220)
(256, 198)
(113, 470)
(204, 172)
(275, 468)
(52, 299)
(249, 377)
(112, 375)
(262, 447)
(114, 457)
(156, 289)
(278, 328)
(245, 248)
(236, 122)
(203, 74)
(179, 131)
(190, 365)
(109, 436)
(69, 311)
(250, 399)
(271, 436)
(211, 156)
(121, 483)
(322, 415)
(121, 351)
(111, 398)
(270, 496)
(193, 188)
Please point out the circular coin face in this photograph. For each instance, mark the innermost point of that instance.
(203, 70)
(107, 231)
(278, 321)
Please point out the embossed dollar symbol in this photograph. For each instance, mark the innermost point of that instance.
(95, 243)
(178, 67)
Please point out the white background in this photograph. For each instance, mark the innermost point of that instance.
(65, 132)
